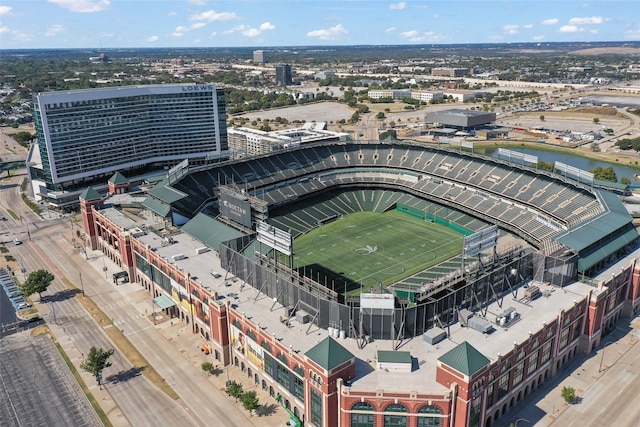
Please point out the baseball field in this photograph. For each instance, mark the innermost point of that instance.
(365, 249)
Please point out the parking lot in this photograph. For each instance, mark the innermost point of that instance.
(12, 291)
(37, 389)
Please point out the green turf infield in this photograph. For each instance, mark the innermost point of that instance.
(364, 249)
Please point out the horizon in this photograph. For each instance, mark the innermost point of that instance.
(329, 46)
(119, 24)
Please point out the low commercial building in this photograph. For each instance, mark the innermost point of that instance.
(389, 93)
(460, 119)
(449, 72)
(463, 95)
(246, 142)
(426, 95)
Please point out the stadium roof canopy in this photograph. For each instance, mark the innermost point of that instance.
(165, 193)
(157, 207)
(210, 231)
(585, 235)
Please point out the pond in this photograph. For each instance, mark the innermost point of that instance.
(577, 161)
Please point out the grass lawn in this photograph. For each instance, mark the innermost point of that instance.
(365, 249)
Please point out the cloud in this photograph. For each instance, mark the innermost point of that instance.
(83, 6)
(212, 15)
(153, 39)
(633, 34)
(569, 29)
(53, 30)
(172, 14)
(197, 2)
(390, 30)
(251, 32)
(267, 26)
(398, 6)
(4, 10)
(550, 21)
(197, 25)
(328, 33)
(4, 30)
(179, 31)
(409, 34)
(586, 20)
(527, 26)
(417, 37)
(510, 29)
(538, 38)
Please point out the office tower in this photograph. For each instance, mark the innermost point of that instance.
(84, 136)
(283, 75)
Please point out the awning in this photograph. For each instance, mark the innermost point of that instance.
(163, 302)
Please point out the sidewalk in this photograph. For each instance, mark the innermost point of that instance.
(179, 335)
(546, 403)
(101, 394)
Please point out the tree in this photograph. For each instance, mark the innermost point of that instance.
(541, 118)
(37, 282)
(604, 174)
(625, 181)
(208, 367)
(250, 401)
(234, 390)
(596, 120)
(380, 115)
(568, 394)
(97, 361)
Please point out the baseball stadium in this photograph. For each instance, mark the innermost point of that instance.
(377, 239)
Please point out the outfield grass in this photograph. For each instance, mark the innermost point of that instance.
(364, 249)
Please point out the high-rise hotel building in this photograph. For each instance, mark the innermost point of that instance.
(84, 136)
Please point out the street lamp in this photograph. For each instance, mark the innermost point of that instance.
(602, 356)
(81, 285)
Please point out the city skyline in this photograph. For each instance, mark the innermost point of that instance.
(36, 24)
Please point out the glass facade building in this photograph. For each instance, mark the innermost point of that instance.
(86, 135)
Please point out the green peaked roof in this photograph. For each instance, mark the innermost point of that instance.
(464, 358)
(328, 353)
(118, 178)
(90, 194)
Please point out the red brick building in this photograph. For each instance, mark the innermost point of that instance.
(467, 379)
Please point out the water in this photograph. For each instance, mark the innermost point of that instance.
(579, 162)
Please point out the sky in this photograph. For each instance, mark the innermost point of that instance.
(95, 24)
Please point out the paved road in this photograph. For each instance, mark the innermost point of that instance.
(140, 402)
(607, 384)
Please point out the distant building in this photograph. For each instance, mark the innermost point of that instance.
(323, 75)
(389, 93)
(259, 57)
(283, 75)
(460, 119)
(463, 95)
(449, 72)
(247, 142)
(426, 95)
(85, 136)
(100, 58)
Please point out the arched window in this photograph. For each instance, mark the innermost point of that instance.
(392, 420)
(362, 420)
(430, 421)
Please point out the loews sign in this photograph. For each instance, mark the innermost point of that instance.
(198, 88)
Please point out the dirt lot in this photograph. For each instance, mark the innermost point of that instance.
(560, 121)
(319, 112)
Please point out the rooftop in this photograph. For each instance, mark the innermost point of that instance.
(262, 310)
